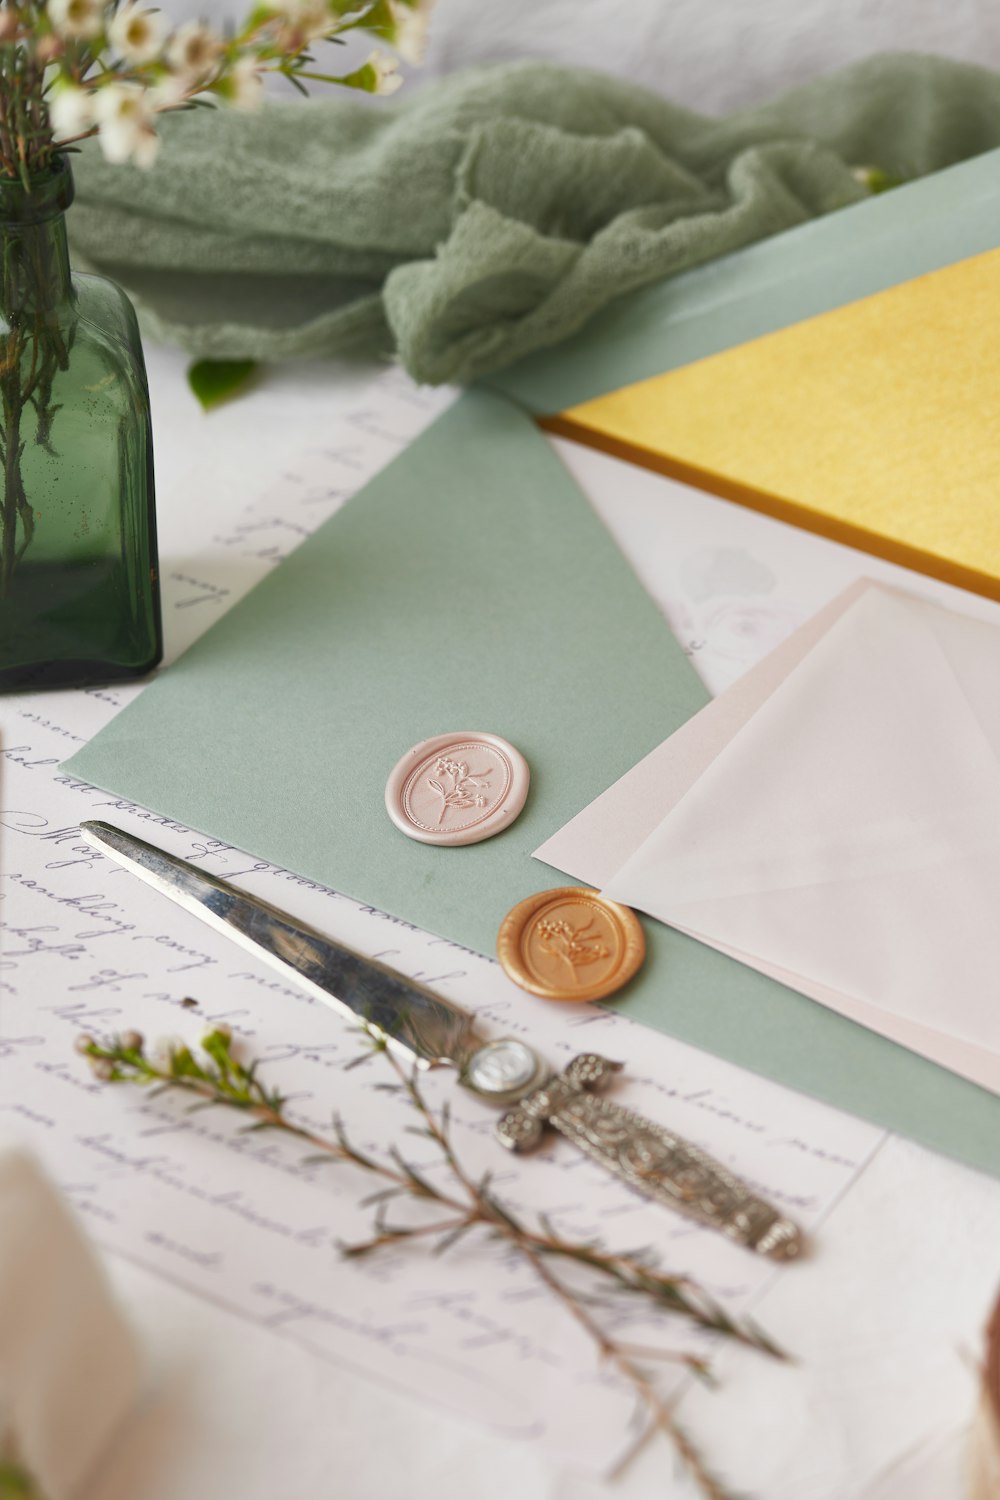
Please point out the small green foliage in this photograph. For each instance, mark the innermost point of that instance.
(365, 78)
(214, 381)
(16, 1483)
(71, 69)
(877, 179)
(213, 1072)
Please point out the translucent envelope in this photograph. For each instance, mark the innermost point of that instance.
(834, 820)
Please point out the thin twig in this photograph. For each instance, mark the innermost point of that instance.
(217, 1076)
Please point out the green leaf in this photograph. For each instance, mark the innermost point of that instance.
(451, 1238)
(260, 15)
(15, 1482)
(877, 179)
(216, 380)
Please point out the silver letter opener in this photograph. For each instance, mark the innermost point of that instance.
(431, 1032)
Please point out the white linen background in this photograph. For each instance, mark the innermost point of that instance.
(238, 1413)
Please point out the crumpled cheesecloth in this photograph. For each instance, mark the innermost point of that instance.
(490, 213)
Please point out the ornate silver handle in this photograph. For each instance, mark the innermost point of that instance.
(648, 1157)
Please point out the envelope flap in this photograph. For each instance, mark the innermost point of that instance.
(470, 586)
(867, 758)
(596, 843)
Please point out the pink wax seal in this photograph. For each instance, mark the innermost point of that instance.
(457, 788)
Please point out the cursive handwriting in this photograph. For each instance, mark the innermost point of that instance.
(201, 1201)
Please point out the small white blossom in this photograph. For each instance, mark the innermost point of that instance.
(77, 19)
(71, 111)
(161, 1051)
(299, 22)
(410, 21)
(127, 131)
(167, 92)
(386, 70)
(242, 86)
(136, 34)
(195, 51)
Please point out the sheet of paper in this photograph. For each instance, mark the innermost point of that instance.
(237, 1219)
(547, 638)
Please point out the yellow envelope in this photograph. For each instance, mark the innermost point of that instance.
(877, 424)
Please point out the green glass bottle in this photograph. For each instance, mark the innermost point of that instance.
(79, 594)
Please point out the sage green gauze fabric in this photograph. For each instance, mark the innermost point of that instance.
(492, 213)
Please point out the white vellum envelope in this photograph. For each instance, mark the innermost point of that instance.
(834, 821)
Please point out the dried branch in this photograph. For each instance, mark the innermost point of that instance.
(216, 1076)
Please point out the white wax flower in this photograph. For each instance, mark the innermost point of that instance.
(386, 70)
(169, 91)
(306, 20)
(125, 116)
(194, 51)
(242, 86)
(410, 20)
(71, 111)
(78, 20)
(161, 1051)
(136, 34)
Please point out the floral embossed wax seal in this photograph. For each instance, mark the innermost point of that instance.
(571, 944)
(457, 788)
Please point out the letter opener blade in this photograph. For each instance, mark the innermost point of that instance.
(430, 1031)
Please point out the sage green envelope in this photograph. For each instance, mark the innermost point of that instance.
(471, 586)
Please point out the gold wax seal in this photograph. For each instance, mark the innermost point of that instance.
(571, 943)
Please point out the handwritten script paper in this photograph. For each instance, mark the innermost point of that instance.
(239, 1219)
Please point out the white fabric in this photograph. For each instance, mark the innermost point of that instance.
(69, 1364)
(711, 57)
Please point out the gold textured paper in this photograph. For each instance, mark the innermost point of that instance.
(877, 424)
